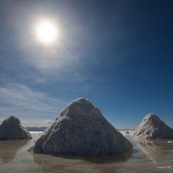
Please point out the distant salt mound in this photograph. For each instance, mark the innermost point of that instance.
(11, 128)
(81, 130)
(152, 127)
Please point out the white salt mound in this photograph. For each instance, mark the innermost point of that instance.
(152, 127)
(81, 130)
(11, 128)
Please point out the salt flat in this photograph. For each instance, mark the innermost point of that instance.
(14, 157)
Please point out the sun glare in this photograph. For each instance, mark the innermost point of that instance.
(46, 31)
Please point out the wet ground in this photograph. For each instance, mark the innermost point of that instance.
(146, 156)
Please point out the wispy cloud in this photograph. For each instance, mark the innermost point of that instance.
(20, 100)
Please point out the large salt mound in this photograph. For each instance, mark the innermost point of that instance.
(11, 128)
(152, 127)
(81, 130)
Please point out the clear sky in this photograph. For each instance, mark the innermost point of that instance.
(116, 53)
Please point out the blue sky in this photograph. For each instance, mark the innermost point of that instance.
(116, 53)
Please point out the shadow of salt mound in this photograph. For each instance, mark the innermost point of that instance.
(155, 150)
(9, 149)
(73, 164)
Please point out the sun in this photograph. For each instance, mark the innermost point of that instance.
(46, 31)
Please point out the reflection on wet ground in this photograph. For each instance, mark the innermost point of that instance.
(13, 147)
(155, 150)
(14, 158)
(74, 164)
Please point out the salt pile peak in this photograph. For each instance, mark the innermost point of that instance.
(152, 127)
(11, 128)
(81, 130)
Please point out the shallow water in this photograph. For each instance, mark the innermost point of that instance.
(152, 156)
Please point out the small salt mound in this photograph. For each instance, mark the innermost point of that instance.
(11, 128)
(152, 127)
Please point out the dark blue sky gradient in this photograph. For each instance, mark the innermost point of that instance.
(116, 53)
